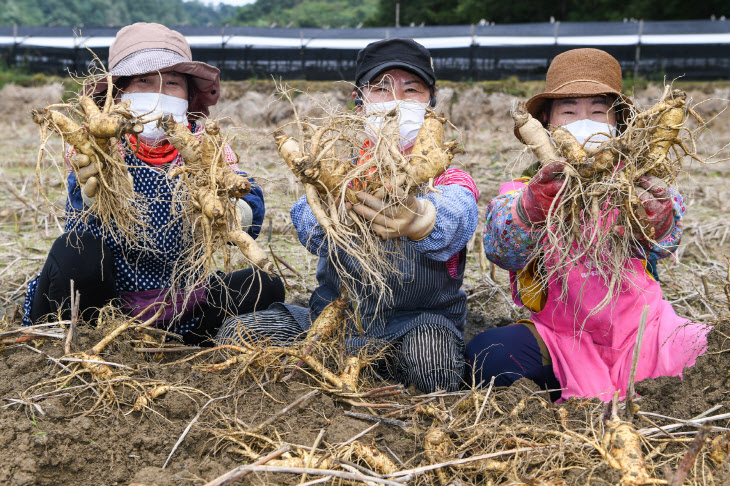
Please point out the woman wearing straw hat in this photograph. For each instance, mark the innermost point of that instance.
(568, 345)
(152, 68)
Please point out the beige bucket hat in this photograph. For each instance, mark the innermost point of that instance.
(580, 73)
(147, 47)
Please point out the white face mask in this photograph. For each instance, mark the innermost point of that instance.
(593, 131)
(410, 118)
(146, 104)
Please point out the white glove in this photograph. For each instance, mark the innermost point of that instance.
(86, 172)
(245, 214)
(414, 220)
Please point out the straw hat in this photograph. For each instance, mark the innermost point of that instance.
(143, 48)
(580, 73)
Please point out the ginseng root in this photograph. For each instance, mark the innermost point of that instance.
(587, 161)
(534, 135)
(252, 250)
(327, 177)
(438, 447)
(144, 400)
(185, 142)
(605, 157)
(430, 156)
(107, 125)
(72, 132)
(664, 135)
(332, 318)
(623, 444)
(97, 133)
(371, 456)
(568, 146)
(92, 362)
(211, 183)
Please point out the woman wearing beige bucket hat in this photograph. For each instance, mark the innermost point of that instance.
(571, 345)
(152, 68)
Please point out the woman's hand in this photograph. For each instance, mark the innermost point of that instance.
(540, 193)
(86, 172)
(414, 219)
(655, 197)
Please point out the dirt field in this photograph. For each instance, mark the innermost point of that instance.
(59, 431)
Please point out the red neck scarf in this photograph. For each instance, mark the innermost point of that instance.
(153, 155)
(358, 185)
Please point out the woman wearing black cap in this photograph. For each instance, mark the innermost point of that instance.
(425, 321)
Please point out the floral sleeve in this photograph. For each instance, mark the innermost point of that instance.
(670, 243)
(507, 242)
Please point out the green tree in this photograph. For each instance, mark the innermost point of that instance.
(261, 12)
(305, 13)
(346, 13)
(436, 12)
(111, 12)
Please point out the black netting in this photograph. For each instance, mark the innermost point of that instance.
(479, 52)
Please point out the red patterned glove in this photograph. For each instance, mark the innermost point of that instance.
(657, 200)
(540, 193)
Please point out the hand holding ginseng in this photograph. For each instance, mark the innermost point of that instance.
(657, 211)
(413, 219)
(657, 201)
(86, 173)
(93, 132)
(320, 154)
(541, 193)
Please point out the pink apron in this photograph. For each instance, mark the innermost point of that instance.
(592, 355)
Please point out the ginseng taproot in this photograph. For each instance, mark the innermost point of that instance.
(211, 184)
(96, 133)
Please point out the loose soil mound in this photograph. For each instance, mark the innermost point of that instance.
(67, 433)
(67, 437)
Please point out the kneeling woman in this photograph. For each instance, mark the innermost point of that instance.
(571, 343)
(423, 324)
(152, 67)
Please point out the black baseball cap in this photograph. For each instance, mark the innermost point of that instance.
(406, 54)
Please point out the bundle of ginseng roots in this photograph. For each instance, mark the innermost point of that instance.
(343, 152)
(206, 192)
(598, 219)
(95, 132)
